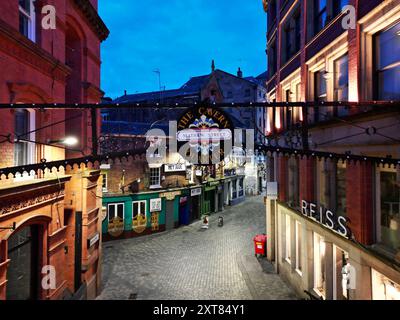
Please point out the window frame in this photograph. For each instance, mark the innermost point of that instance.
(139, 207)
(31, 20)
(299, 251)
(116, 211)
(151, 185)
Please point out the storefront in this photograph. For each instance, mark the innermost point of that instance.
(237, 190)
(312, 249)
(195, 203)
(134, 215)
(209, 199)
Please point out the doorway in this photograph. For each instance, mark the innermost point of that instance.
(23, 270)
(169, 215)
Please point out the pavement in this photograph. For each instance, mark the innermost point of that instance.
(190, 263)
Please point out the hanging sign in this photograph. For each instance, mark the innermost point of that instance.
(205, 129)
(174, 167)
(155, 205)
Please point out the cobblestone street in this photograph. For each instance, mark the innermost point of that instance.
(193, 263)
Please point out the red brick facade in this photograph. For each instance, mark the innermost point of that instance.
(54, 66)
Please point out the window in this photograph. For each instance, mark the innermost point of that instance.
(139, 213)
(320, 93)
(341, 79)
(27, 18)
(155, 177)
(383, 288)
(241, 187)
(389, 199)
(339, 285)
(299, 252)
(22, 152)
(319, 265)
(272, 58)
(115, 210)
(320, 15)
(387, 61)
(292, 36)
(104, 182)
(271, 14)
(234, 190)
(288, 247)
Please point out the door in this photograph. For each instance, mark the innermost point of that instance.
(169, 215)
(22, 272)
(195, 212)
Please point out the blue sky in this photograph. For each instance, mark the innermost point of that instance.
(180, 38)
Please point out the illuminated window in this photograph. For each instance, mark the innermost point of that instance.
(319, 265)
(383, 288)
(27, 18)
(387, 53)
(341, 79)
(288, 247)
(299, 252)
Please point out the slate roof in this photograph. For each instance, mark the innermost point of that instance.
(130, 128)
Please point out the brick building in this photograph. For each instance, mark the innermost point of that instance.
(334, 215)
(49, 217)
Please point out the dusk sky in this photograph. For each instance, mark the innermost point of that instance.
(180, 38)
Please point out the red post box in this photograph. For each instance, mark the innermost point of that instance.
(260, 245)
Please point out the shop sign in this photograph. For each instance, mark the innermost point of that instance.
(326, 218)
(93, 240)
(195, 192)
(170, 195)
(174, 167)
(272, 190)
(199, 173)
(155, 205)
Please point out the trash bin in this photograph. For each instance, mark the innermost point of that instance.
(260, 245)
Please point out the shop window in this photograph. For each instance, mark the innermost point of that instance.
(115, 210)
(319, 265)
(288, 247)
(27, 18)
(155, 177)
(340, 283)
(299, 251)
(234, 190)
(383, 288)
(241, 189)
(389, 208)
(387, 61)
(139, 212)
(341, 79)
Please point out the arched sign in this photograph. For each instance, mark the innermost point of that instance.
(205, 129)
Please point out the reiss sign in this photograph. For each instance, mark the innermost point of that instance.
(325, 217)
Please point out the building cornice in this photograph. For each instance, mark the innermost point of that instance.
(95, 22)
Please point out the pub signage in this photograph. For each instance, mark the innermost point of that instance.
(174, 167)
(195, 192)
(205, 129)
(326, 218)
(155, 205)
(93, 240)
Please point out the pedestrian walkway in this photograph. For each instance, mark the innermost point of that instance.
(195, 263)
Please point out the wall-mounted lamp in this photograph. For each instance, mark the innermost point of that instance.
(68, 141)
(13, 227)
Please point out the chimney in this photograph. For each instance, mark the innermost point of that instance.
(240, 73)
(125, 92)
(212, 66)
